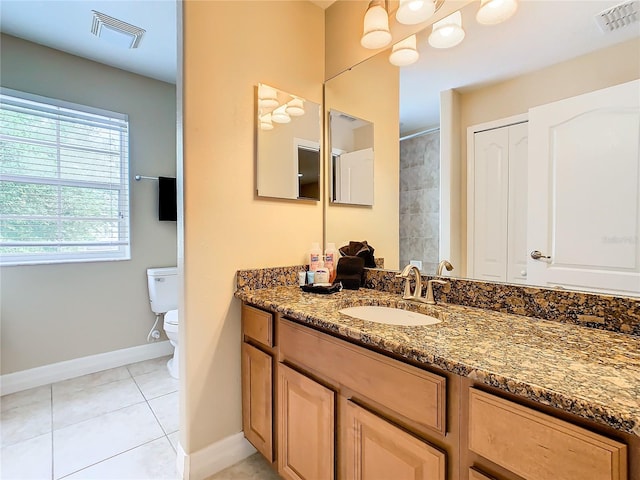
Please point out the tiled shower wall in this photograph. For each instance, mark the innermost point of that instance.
(420, 200)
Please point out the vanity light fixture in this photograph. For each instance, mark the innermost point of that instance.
(267, 96)
(376, 32)
(404, 52)
(447, 32)
(493, 12)
(411, 12)
(280, 115)
(295, 107)
(265, 122)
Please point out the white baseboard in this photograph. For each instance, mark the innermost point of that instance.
(56, 372)
(213, 458)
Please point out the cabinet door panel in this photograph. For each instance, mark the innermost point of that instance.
(257, 406)
(306, 415)
(374, 449)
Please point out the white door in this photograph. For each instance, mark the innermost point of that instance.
(490, 205)
(354, 177)
(517, 253)
(584, 177)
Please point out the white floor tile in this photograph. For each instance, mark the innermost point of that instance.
(91, 380)
(26, 397)
(73, 407)
(174, 438)
(86, 443)
(29, 459)
(153, 365)
(23, 423)
(166, 411)
(156, 384)
(152, 461)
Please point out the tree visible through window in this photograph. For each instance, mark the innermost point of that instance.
(64, 181)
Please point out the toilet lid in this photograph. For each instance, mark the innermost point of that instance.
(171, 317)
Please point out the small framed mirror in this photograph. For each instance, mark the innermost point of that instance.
(288, 145)
(351, 171)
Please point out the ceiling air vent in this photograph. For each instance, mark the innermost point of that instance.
(619, 16)
(116, 31)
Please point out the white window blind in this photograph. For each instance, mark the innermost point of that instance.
(64, 181)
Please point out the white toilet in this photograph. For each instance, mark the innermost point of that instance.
(163, 295)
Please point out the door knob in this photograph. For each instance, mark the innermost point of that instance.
(537, 255)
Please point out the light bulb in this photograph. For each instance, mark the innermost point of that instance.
(376, 32)
(265, 122)
(411, 12)
(493, 12)
(295, 107)
(447, 32)
(404, 52)
(267, 96)
(280, 115)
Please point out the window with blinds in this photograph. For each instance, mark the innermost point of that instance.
(64, 181)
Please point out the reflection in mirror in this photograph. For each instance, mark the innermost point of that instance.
(351, 171)
(288, 145)
(501, 74)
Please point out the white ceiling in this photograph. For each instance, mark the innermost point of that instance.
(66, 25)
(542, 33)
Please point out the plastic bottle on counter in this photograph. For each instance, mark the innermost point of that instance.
(315, 256)
(322, 274)
(330, 260)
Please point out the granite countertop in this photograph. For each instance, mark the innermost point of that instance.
(591, 373)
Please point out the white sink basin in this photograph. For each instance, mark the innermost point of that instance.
(389, 316)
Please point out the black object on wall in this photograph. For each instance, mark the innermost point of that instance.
(167, 199)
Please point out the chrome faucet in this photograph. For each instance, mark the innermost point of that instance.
(417, 291)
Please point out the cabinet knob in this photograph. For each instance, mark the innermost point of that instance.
(523, 273)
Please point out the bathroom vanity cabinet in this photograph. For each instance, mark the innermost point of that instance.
(321, 408)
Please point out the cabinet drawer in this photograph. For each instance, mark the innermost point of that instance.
(409, 391)
(257, 324)
(537, 446)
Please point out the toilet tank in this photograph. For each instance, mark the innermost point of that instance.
(163, 288)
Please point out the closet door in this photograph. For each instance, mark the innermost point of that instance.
(584, 206)
(517, 253)
(490, 205)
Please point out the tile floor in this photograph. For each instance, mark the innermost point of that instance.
(116, 424)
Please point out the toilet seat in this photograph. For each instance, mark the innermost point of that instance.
(171, 317)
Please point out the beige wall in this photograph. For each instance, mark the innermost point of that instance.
(603, 68)
(52, 313)
(229, 47)
(370, 91)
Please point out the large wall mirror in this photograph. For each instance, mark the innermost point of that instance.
(498, 72)
(288, 145)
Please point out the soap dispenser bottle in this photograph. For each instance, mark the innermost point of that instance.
(330, 260)
(315, 256)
